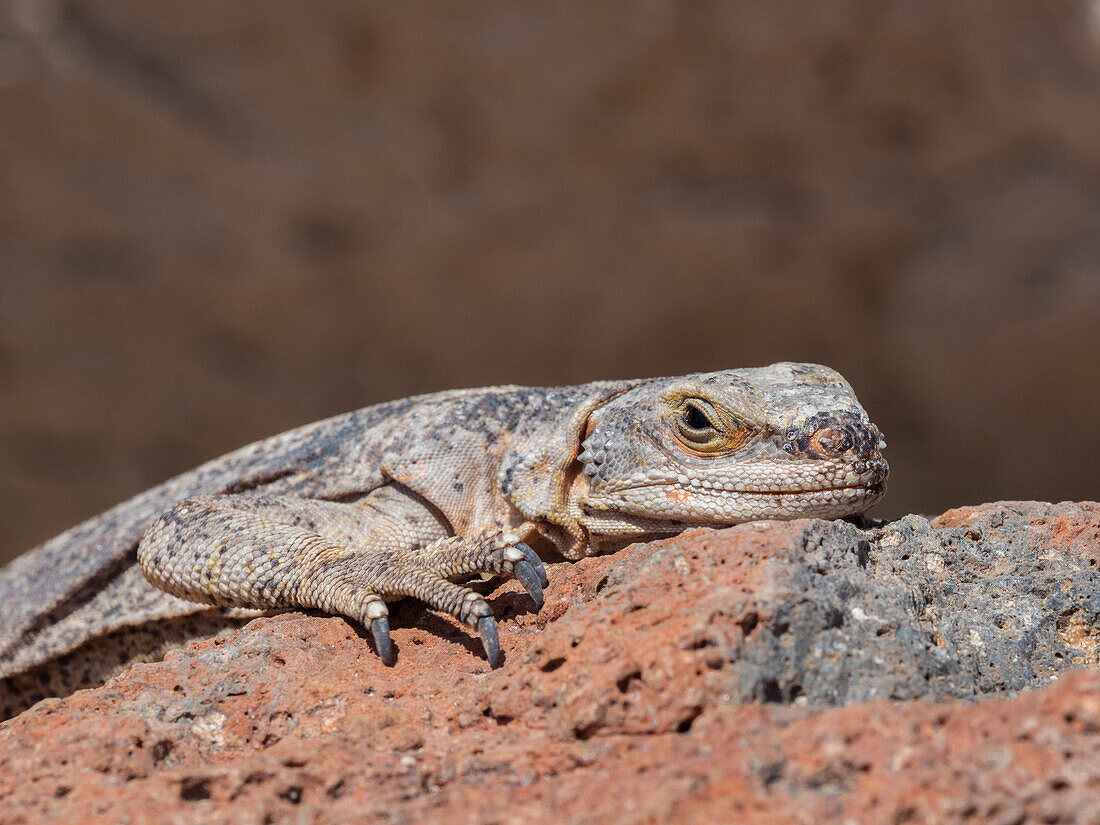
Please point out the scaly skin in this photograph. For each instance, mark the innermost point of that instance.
(406, 498)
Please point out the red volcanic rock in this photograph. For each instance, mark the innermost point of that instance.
(720, 676)
(1068, 526)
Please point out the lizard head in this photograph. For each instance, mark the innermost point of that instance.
(784, 441)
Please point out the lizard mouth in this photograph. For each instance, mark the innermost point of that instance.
(876, 488)
(662, 508)
(831, 502)
(871, 489)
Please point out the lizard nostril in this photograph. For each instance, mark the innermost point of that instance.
(831, 440)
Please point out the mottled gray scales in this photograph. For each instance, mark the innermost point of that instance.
(409, 498)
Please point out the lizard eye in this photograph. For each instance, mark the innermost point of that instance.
(704, 429)
(695, 419)
(695, 423)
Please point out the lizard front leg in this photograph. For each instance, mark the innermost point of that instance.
(261, 552)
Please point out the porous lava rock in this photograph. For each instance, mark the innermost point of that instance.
(905, 672)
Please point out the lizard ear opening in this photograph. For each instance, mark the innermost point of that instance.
(541, 465)
(589, 427)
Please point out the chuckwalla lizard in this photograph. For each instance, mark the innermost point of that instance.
(412, 497)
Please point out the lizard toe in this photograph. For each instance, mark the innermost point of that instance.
(454, 557)
(380, 630)
(526, 575)
(535, 562)
(487, 630)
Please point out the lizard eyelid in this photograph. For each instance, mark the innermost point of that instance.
(694, 418)
(699, 426)
(703, 428)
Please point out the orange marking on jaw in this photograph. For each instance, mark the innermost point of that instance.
(679, 496)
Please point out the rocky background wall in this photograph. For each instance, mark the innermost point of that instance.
(220, 220)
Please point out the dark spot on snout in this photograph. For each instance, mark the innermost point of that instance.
(833, 440)
(827, 435)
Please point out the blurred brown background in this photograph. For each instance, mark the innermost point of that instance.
(220, 220)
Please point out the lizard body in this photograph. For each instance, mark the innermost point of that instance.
(404, 499)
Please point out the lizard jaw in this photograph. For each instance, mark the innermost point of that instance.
(655, 503)
(612, 526)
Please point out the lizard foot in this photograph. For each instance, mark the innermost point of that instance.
(426, 575)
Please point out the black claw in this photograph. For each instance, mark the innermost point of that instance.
(536, 562)
(380, 629)
(487, 630)
(527, 576)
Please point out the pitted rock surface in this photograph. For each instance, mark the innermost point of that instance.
(695, 679)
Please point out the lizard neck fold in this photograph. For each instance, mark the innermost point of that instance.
(540, 469)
